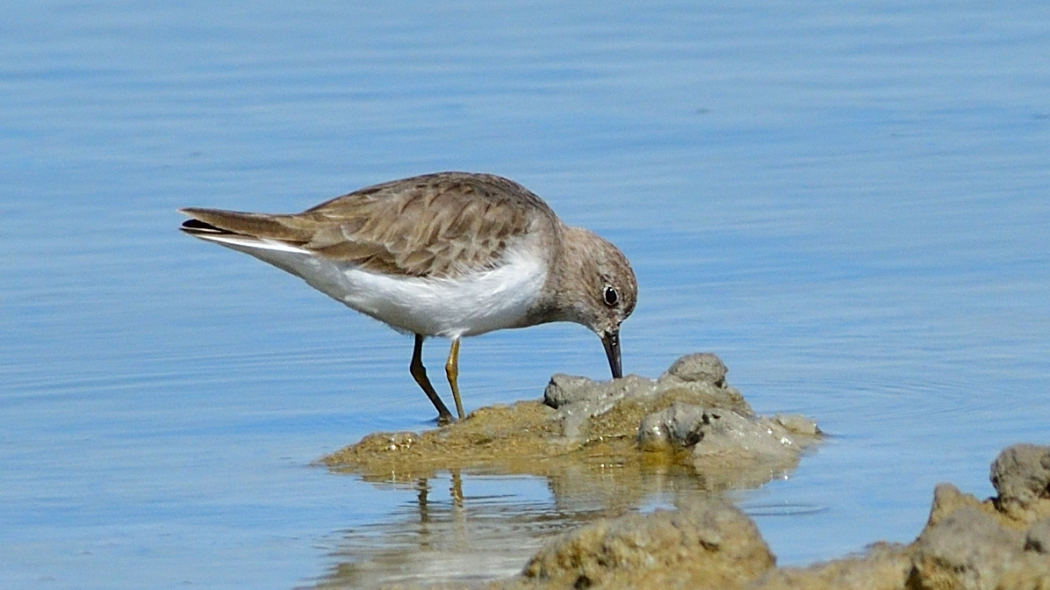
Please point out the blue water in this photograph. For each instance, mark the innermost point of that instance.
(848, 202)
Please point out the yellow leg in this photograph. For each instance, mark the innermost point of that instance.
(452, 372)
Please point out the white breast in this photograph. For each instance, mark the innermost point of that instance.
(450, 307)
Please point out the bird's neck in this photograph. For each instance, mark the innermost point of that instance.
(563, 301)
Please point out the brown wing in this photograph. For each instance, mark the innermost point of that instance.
(433, 225)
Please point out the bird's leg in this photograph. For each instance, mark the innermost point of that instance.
(452, 372)
(419, 373)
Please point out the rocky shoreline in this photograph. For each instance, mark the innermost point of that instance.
(691, 419)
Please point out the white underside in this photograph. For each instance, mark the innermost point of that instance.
(466, 306)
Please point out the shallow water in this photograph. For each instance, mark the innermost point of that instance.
(846, 203)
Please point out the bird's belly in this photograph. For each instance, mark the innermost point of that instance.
(450, 307)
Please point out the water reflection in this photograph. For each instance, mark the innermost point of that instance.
(470, 527)
(479, 524)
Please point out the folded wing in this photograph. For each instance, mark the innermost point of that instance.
(428, 226)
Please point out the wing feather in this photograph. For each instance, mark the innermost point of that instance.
(434, 225)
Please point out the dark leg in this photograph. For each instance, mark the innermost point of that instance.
(419, 373)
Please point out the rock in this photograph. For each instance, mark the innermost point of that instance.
(698, 378)
(710, 543)
(728, 433)
(714, 432)
(1021, 475)
(579, 400)
(798, 424)
(1038, 538)
(592, 410)
(946, 500)
(687, 421)
(676, 426)
(967, 544)
(702, 367)
(884, 566)
(563, 390)
(966, 550)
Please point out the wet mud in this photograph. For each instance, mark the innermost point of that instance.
(687, 419)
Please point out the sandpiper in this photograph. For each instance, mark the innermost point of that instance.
(451, 254)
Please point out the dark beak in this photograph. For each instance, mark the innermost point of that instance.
(611, 340)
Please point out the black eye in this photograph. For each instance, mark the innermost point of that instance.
(611, 296)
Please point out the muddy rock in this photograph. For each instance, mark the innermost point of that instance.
(797, 424)
(719, 432)
(1038, 538)
(695, 379)
(710, 543)
(970, 549)
(1021, 476)
(717, 440)
(884, 566)
(947, 499)
(699, 368)
(964, 550)
(689, 416)
(967, 545)
(689, 409)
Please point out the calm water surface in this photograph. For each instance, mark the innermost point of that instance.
(848, 203)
